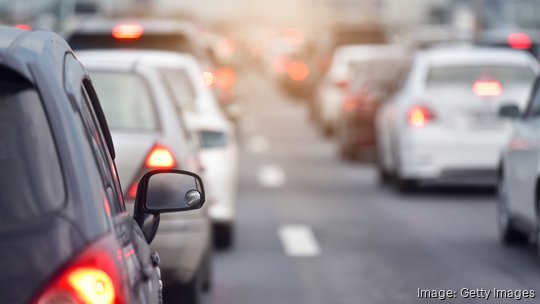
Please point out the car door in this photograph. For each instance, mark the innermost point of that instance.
(522, 159)
(140, 274)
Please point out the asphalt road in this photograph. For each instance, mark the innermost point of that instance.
(314, 229)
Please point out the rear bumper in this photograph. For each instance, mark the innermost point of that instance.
(181, 253)
(459, 158)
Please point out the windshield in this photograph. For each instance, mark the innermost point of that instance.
(126, 101)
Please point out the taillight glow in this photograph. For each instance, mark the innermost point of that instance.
(519, 41)
(225, 78)
(127, 31)
(93, 285)
(487, 88)
(297, 70)
(419, 116)
(93, 277)
(132, 193)
(160, 157)
(24, 27)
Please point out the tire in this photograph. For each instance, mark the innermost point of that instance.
(208, 272)
(223, 235)
(193, 290)
(405, 185)
(509, 235)
(385, 177)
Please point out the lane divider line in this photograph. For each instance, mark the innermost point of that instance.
(299, 241)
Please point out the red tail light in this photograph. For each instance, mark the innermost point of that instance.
(349, 103)
(419, 116)
(160, 157)
(93, 277)
(519, 41)
(487, 88)
(297, 70)
(127, 31)
(24, 27)
(225, 78)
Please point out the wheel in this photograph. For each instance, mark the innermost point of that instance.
(193, 290)
(508, 233)
(385, 177)
(405, 185)
(208, 272)
(223, 235)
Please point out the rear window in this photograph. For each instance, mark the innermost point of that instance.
(126, 101)
(31, 182)
(180, 87)
(166, 42)
(506, 75)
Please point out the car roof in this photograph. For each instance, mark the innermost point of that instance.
(127, 58)
(20, 49)
(466, 55)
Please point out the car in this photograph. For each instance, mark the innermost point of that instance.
(331, 90)
(66, 234)
(150, 133)
(329, 39)
(369, 86)
(442, 124)
(218, 151)
(518, 182)
(160, 34)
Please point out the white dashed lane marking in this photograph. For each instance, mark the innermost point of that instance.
(257, 144)
(271, 176)
(299, 241)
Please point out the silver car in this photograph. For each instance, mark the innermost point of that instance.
(149, 133)
(519, 174)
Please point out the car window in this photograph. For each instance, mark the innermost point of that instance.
(31, 180)
(467, 75)
(175, 42)
(126, 101)
(180, 87)
(115, 202)
(213, 139)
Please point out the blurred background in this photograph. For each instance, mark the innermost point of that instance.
(369, 138)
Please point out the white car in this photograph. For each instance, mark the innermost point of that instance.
(519, 175)
(218, 151)
(150, 133)
(442, 124)
(333, 88)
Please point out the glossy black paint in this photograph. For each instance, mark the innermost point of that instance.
(33, 253)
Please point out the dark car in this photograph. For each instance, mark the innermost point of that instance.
(65, 235)
(372, 81)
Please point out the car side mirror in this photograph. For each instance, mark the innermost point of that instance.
(164, 191)
(510, 111)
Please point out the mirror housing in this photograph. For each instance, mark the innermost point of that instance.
(510, 111)
(165, 191)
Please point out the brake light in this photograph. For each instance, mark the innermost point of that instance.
(160, 157)
(519, 41)
(127, 31)
(419, 116)
(297, 70)
(488, 88)
(225, 78)
(93, 277)
(24, 27)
